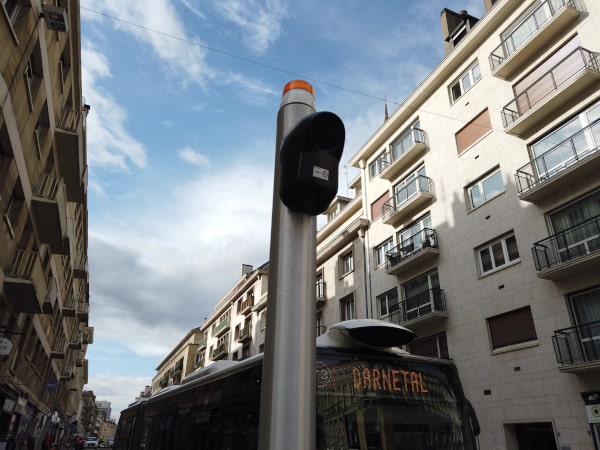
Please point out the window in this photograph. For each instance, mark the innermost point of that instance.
(346, 264)
(12, 213)
(377, 205)
(434, 346)
(12, 8)
(388, 302)
(413, 184)
(381, 250)
(473, 131)
(347, 306)
(320, 285)
(586, 314)
(575, 227)
(406, 140)
(464, 82)
(423, 296)
(417, 235)
(513, 327)
(485, 189)
(379, 164)
(573, 141)
(320, 323)
(498, 254)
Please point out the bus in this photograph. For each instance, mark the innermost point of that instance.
(370, 395)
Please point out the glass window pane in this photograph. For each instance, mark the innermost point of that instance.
(511, 246)
(466, 82)
(475, 194)
(493, 185)
(486, 260)
(498, 253)
(476, 73)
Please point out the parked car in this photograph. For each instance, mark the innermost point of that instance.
(90, 442)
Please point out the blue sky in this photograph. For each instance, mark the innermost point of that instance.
(181, 145)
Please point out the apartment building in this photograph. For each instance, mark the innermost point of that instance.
(44, 284)
(483, 199)
(476, 223)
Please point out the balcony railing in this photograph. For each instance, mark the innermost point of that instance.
(426, 238)
(320, 286)
(574, 63)
(403, 152)
(578, 345)
(221, 327)
(220, 351)
(245, 333)
(529, 29)
(576, 150)
(407, 196)
(69, 120)
(568, 245)
(25, 284)
(419, 306)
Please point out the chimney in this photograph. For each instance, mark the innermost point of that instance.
(455, 27)
(246, 269)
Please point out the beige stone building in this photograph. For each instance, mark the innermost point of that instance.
(476, 223)
(44, 286)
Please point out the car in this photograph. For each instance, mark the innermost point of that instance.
(90, 442)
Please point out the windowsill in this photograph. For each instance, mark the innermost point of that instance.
(511, 348)
(345, 275)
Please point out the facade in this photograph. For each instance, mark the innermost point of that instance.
(44, 285)
(476, 223)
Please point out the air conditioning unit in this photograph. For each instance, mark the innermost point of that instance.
(56, 18)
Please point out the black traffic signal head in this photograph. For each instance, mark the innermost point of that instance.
(310, 155)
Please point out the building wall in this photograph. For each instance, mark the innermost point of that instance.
(44, 285)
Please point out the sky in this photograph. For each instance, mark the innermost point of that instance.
(184, 97)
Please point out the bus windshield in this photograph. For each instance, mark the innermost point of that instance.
(382, 402)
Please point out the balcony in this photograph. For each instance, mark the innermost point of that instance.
(414, 253)
(83, 310)
(245, 334)
(408, 200)
(49, 211)
(80, 267)
(320, 294)
(421, 310)
(220, 328)
(539, 27)
(25, 283)
(59, 347)
(70, 306)
(202, 343)
(576, 158)
(88, 335)
(220, 352)
(246, 306)
(578, 73)
(51, 296)
(577, 348)
(76, 341)
(569, 252)
(70, 147)
(402, 156)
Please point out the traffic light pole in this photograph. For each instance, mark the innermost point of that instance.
(288, 400)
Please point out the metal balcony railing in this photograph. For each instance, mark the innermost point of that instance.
(568, 245)
(245, 333)
(577, 345)
(221, 326)
(426, 238)
(576, 148)
(575, 62)
(320, 286)
(418, 306)
(418, 185)
(530, 25)
(69, 120)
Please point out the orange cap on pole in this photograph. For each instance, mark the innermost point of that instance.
(299, 84)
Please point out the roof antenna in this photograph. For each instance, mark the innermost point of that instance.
(387, 116)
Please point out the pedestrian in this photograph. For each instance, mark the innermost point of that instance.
(79, 443)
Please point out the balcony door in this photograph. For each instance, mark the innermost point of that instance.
(576, 227)
(420, 295)
(586, 312)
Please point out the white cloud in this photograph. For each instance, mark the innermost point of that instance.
(109, 143)
(259, 21)
(191, 156)
(120, 391)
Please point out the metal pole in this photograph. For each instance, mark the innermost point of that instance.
(288, 398)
